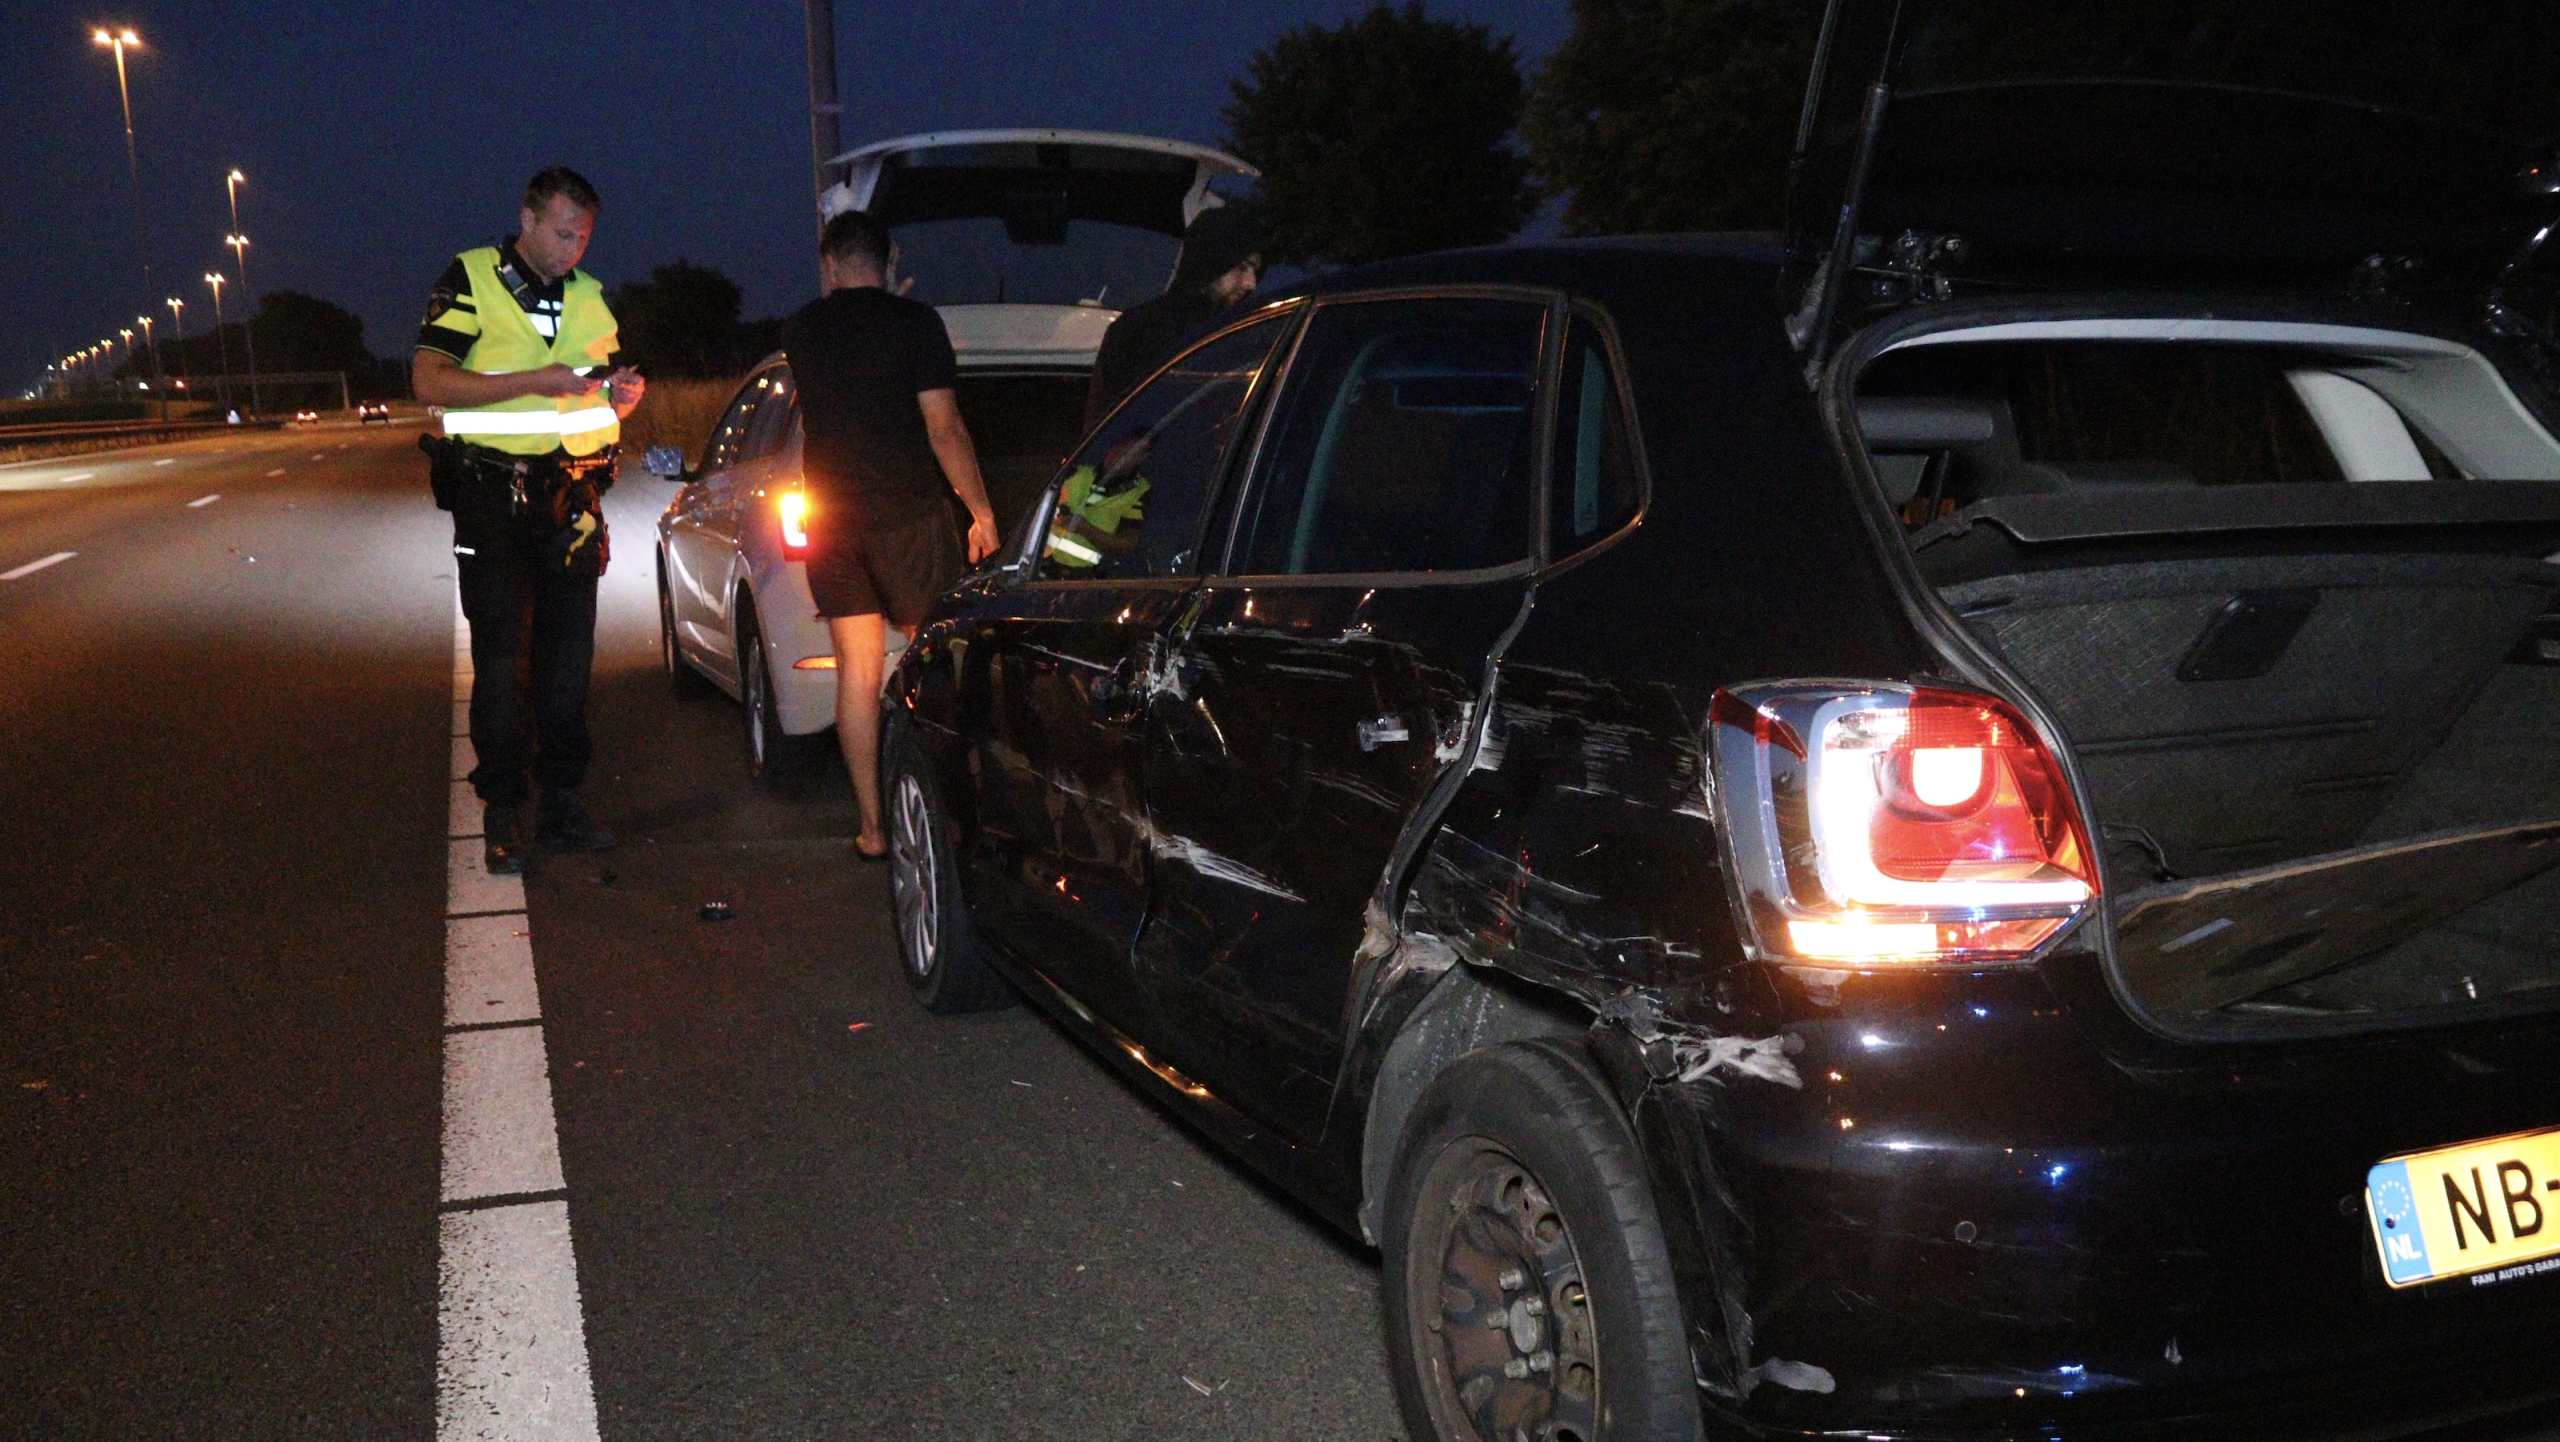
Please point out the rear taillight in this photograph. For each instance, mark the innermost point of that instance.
(794, 510)
(1889, 824)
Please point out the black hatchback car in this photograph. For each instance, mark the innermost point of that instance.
(1942, 826)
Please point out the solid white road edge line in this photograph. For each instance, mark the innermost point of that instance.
(31, 567)
(511, 1342)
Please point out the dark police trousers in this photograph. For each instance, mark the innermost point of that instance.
(533, 647)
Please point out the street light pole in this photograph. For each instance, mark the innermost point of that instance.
(152, 346)
(123, 36)
(239, 244)
(178, 337)
(221, 340)
(826, 111)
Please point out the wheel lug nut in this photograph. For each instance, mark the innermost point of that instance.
(1534, 1306)
(1516, 1368)
(1541, 1361)
(1512, 1279)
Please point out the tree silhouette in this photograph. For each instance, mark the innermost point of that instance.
(1386, 136)
(1667, 115)
(681, 321)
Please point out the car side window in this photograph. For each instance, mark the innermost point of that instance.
(771, 428)
(728, 444)
(1402, 442)
(1130, 503)
(1594, 486)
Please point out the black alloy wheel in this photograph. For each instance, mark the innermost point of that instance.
(780, 760)
(949, 974)
(1528, 1291)
(682, 679)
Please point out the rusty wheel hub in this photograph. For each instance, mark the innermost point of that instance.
(1509, 1332)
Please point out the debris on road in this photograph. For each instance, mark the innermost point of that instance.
(857, 1026)
(1018, 1083)
(35, 1086)
(1203, 1388)
(716, 911)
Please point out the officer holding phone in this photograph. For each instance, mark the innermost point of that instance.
(520, 351)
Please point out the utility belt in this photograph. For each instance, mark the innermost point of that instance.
(558, 496)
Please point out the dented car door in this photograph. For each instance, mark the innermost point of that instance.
(1380, 552)
(1060, 858)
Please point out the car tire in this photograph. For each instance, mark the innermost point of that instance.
(1527, 1287)
(688, 683)
(940, 957)
(780, 761)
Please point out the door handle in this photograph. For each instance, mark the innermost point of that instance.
(1384, 731)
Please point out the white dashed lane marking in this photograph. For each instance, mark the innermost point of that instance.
(278, 471)
(166, 461)
(200, 502)
(31, 567)
(511, 1341)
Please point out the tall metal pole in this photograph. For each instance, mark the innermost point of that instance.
(221, 340)
(178, 337)
(826, 112)
(239, 244)
(123, 37)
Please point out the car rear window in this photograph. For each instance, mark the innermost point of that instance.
(1402, 443)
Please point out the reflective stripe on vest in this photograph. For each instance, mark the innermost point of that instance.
(528, 423)
(509, 344)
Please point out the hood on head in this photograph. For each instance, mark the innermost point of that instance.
(1220, 239)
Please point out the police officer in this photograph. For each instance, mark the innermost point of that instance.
(519, 350)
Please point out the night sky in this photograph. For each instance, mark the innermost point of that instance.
(380, 139)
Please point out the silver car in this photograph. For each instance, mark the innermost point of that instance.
(1020, 236)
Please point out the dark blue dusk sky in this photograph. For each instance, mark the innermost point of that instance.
(380, 138)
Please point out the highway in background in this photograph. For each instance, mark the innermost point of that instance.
(800, 1207)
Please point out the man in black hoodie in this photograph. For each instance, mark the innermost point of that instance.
(1221, 263)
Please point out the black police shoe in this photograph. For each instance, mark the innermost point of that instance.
(502, 839)
(562, 824)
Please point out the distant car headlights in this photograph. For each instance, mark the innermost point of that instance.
(1892, 824)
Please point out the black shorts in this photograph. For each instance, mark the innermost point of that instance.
(894, 572)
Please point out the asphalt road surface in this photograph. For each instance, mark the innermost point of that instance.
(800, 1207)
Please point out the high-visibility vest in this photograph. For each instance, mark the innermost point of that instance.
(508, 343)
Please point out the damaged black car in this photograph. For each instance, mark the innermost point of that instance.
(1946, 825)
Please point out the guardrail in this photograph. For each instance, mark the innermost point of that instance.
(114, 430)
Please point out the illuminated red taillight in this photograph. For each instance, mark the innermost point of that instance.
(793, 508)
(1895, 824)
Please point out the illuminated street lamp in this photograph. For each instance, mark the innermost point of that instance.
(240, 263)
(178, 336)
(215, 278)
(144, 321)
(119, 38)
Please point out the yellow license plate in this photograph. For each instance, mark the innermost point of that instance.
(2487, 1210)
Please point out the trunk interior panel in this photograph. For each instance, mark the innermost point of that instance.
(2291, 594)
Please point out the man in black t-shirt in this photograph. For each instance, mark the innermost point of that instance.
(883, 450)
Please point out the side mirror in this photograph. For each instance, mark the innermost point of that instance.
(664, 462)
